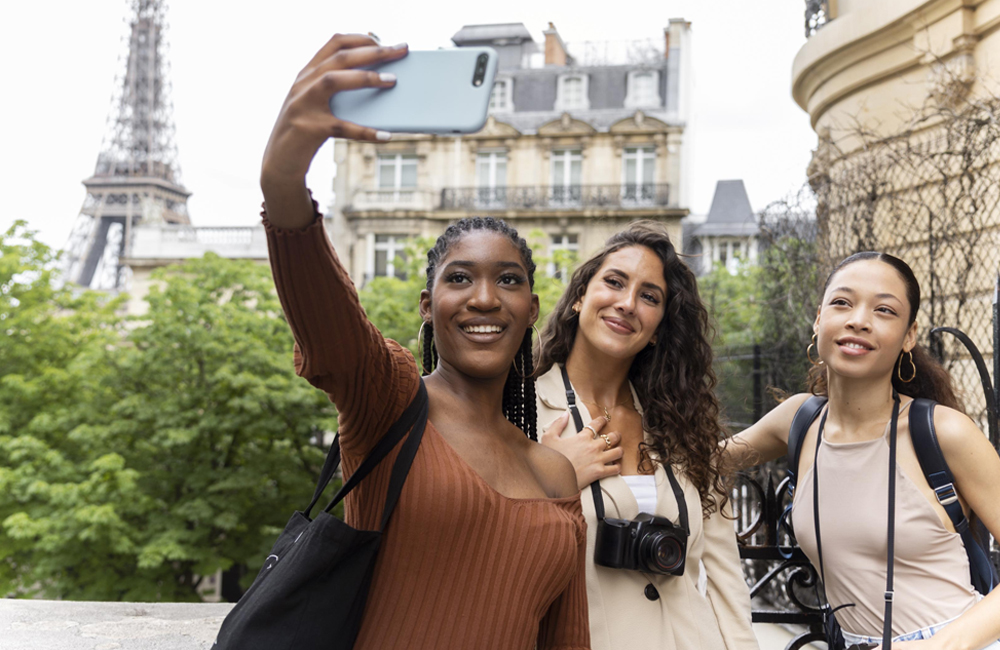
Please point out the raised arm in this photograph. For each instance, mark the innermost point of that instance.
(766, 440)
(305, 122)
(336, 348)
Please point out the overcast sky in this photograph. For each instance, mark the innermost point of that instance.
(232, 63)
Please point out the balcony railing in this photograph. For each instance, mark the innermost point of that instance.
(817, 15)
(556, 197)
(404, 198)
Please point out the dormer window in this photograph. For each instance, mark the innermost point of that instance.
(643, 89)
(501, 99)
(571, 93)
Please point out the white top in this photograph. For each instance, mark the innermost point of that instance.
(643, 486)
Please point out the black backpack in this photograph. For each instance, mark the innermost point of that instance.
(936, 471)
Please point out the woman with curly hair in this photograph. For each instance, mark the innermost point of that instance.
(629, 343)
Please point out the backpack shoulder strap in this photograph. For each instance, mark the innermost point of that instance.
(932, 462)
(801, 422)
(941, 480)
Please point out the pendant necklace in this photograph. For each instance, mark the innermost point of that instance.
(607, 414)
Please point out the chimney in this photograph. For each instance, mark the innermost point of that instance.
(675, 33)
(555, 49)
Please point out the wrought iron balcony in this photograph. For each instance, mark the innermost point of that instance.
(404, 198)
(817, 15)
(556, 197)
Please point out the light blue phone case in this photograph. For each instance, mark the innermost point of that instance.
(434, 93)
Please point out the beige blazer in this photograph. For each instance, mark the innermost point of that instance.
(684, 618)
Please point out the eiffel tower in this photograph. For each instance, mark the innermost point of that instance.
(136, 179)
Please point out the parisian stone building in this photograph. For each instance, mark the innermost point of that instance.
(580, 141)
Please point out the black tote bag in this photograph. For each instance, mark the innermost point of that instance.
(311, 592)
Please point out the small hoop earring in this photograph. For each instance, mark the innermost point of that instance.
(899, 371)
(811, 346)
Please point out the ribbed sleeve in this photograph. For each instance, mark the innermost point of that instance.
(337, 349)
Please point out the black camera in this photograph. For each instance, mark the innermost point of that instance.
(647, 543)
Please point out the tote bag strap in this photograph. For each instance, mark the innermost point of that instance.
(406, 422)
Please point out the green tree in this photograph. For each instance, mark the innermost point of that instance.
(733, 303)
(171, 447)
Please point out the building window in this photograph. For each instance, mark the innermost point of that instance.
(386, 256)
(563, 249)
(491, 178)
(638, 165)
(397, 171)
(567, 170)
(643, 89)
(501, 96)
(571, 93)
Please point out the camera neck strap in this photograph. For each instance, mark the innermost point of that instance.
(891, 525)
(595, 487)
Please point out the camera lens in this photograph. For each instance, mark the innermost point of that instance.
(662, 551)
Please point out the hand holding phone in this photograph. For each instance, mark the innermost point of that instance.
(305, 123)
(436, 91)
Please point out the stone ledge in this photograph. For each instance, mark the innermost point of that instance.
(68, 625)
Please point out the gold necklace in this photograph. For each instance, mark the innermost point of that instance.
(607, 415)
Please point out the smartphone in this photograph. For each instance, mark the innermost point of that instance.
(436, 91)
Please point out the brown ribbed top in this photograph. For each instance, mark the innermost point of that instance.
(461, 565)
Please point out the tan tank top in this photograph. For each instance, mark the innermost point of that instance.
(931, 580)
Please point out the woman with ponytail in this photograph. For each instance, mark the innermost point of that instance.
(485, 548)
(867, 363)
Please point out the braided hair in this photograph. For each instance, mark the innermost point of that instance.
(519, 390)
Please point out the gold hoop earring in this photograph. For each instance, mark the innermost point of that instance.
(899, 371)
(420, 348)
(513, 363)
(538, 335)
(812, 345)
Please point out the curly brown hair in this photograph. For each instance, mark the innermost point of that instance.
(673, 379)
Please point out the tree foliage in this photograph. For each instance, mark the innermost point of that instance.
(733, 303)
(136, 456)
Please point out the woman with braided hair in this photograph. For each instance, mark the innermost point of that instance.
(485, 548)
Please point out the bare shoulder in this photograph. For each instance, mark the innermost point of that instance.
(554, 471)
(957, 434)
(789, 406)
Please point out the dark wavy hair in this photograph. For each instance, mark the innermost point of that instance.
(674, 379)
(519, 391)
(931, 380)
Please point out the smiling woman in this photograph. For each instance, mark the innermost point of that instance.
(629, 343)
(484, 511)
(869, 376)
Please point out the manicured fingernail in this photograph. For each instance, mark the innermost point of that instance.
(400, 46)
(386, 77)
(382, 135)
